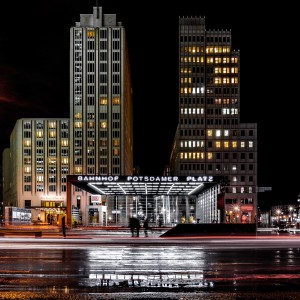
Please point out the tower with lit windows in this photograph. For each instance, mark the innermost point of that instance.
(210, 139)
(101, 133)
(100, 97)
(97, 138)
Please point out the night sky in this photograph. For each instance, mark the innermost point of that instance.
(34, 74)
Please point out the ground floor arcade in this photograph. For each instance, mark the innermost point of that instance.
(165, 200)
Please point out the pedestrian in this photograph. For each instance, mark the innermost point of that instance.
(146, 226)
(135, 226)
(160, 222)
(131, 225)
(63, 225)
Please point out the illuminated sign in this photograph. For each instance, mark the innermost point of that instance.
(53, 198)
(247, 207)
(145, 178)
(95, 198)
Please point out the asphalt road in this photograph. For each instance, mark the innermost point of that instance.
(91, 265)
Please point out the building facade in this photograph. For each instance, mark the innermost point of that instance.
(36, 167)
(97, 138)
(101, 132)
(210, 139)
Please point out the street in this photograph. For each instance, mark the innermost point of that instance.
(110, 267)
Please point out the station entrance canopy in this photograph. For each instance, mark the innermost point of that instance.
(143, 185)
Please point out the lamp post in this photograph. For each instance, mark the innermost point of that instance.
(291, 209)
(278, 212)
(298, 211)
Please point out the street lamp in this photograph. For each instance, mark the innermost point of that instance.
(278, 212)
(291, 208)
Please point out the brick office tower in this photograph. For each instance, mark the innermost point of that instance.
(210, 139)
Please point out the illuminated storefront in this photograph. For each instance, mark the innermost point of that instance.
(163, 199)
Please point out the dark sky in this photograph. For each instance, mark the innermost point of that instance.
(34, 74)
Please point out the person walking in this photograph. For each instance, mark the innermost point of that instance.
(131, 225)
(63, 225)
(146, 226)
(135, 226)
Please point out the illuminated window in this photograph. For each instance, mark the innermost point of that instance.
(52, 160)
(40, 178)
(218, 144)
(209, 155)
(78, 170)
(242, 144)
(250, 144)
(209, 132)
(52, 125)
(116, 101)
(103, 124)
(218, 70)
(218, 133)
(226, 144)
(234, 144)
(39, 133)
(65, 161)
(78, 116)
(116, 151)
(52, 134)
(103, 101)
(210, 60)
(226, 132)
(27, 143)
(91, 124)
(27, 169)
(91, 33)
(64, 142)
(78, 124)
(233, 167)
(116, 142)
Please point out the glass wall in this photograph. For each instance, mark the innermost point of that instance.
(160, 210)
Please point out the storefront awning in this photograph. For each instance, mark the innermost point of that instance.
(144, 185)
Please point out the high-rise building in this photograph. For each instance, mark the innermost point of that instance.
(100, 97)
(210, 138)
(98, 137)
(93, 148)
(101, 132)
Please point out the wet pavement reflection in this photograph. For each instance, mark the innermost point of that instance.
(148, 270)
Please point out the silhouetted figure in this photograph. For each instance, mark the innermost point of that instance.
(146, 226)
(160, 222)
(63, 225)
(134, 225)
